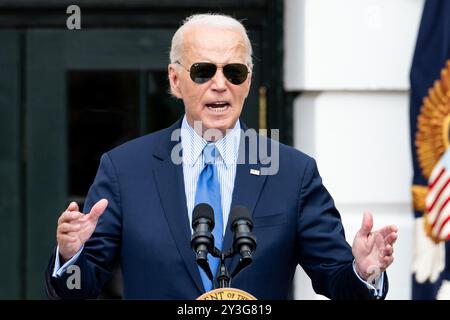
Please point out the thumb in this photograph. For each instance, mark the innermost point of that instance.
(98, 209)
(73, 206)
(366, 225)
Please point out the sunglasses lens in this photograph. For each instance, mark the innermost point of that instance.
(202, 72)
(236, 73)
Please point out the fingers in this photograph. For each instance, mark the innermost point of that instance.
(388, 230)
(388, 250)
(68, 246)
(98, 209)
(66, 238)
(379, 242)
(67, 242)
(391, 238)
(389, 234)
(69, 227)
(367, 224)
(73, 206)
(69, 216)
(71, 213)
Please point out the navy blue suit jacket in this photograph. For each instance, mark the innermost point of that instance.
(146, 228)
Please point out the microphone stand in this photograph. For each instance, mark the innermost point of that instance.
(224, 277)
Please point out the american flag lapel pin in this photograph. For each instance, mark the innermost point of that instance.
(255, 172)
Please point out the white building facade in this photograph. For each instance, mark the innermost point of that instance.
(349, 61)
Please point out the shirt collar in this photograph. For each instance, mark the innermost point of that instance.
(193, 144)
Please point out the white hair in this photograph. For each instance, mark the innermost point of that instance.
(208, 20)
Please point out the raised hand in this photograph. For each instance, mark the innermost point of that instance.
(373, 249)
(75, 228)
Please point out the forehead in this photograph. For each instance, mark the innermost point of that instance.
(219, 45)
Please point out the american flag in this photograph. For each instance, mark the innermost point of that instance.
(437, 212)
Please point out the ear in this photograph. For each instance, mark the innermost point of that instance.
(174, 81)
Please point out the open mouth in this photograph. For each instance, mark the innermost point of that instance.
(218, 106)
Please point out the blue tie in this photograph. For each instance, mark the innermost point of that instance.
(208, 191)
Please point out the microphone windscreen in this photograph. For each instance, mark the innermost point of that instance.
(203, 210)
(239, 213)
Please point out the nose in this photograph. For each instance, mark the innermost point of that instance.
(219, 81)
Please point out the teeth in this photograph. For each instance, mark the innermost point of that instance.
(218, 106)
(218, 109)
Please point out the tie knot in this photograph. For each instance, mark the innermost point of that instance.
(209, 153)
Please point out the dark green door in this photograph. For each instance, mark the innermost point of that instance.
(11, 173)
(88, 91)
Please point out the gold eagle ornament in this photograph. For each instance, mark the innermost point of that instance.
(432, 136)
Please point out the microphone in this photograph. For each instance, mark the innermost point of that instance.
(202, 240)
(244, 241)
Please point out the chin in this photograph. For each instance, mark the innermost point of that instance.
(220, 124)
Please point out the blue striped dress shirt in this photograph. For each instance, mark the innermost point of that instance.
(192, 145)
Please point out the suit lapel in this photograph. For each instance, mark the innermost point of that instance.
(170, 183)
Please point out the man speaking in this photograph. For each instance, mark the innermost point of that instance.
(139, 208)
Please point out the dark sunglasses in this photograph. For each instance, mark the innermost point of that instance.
(202, 72)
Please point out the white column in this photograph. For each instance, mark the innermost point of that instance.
(350, 60)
